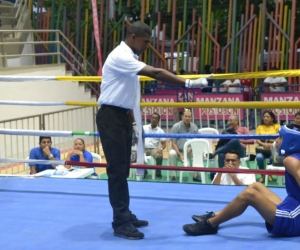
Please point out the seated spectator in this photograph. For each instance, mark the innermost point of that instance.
(43, 152)
(79, 153)
(297, 118)
(269, 126)
(183, 127)
(218, 82)
(231, 86)
(276, 84)
(232, 160)
(247, 83)
(233, 144)
(152, 145)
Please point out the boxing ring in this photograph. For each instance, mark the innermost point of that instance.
(49, 213)
(45, 213)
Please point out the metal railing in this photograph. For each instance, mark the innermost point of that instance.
(60, 51)
(16, 11)
(78, 119)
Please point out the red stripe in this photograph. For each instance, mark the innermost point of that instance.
(198, 169)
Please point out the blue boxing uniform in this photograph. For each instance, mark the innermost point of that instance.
(287, 219)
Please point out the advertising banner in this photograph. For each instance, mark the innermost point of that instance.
(212, 113)
(165, 113)
(282, 97)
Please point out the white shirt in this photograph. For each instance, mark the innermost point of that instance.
(236, 89)
(247, 179)
(120, 82)
(152, 142)
(275, 80)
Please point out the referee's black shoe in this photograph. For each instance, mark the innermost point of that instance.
(138, 223)
(128, 231)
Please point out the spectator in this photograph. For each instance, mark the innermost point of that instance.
(232, 160)
(238, 145)
(276, 84)
(208, 89)
(152, 145)
(43, 152)
(183, 127)
(269, 126)
(231, 86)
(247, 83)
(80, 154)
(297, 118)
(281, 217)
(218, 82)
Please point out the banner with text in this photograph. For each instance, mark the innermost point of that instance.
(211, 113)
(163, 111)
(282, 97)
(184, 95)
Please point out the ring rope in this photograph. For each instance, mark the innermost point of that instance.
(261, 74)
(250, 105)
(140, 166)
(88, 133)
(26, 103)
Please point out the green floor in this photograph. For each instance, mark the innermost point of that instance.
(185, 176)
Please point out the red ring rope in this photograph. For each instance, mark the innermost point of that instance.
(197, 169)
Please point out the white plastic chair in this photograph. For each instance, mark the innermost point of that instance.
(151, 160)
(210, 141)
(132, 171)
(26, 165)
(280, 179)
(199, 147)
(96, 158)
(244, 161)
(168, 164)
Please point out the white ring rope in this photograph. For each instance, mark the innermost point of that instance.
(44, 162)
(36, 132)
(26, 78)
(25, 103)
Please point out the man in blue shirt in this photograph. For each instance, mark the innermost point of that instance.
(43, 152)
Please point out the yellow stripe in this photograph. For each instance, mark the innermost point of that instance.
(85, 104)
(256, 105)
(262, 74)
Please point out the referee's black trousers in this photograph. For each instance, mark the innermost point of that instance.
(115, 128)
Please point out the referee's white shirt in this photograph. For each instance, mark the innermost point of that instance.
(120, 82)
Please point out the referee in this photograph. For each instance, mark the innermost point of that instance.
(115, 120)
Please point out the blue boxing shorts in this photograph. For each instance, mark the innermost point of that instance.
(287, 218)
